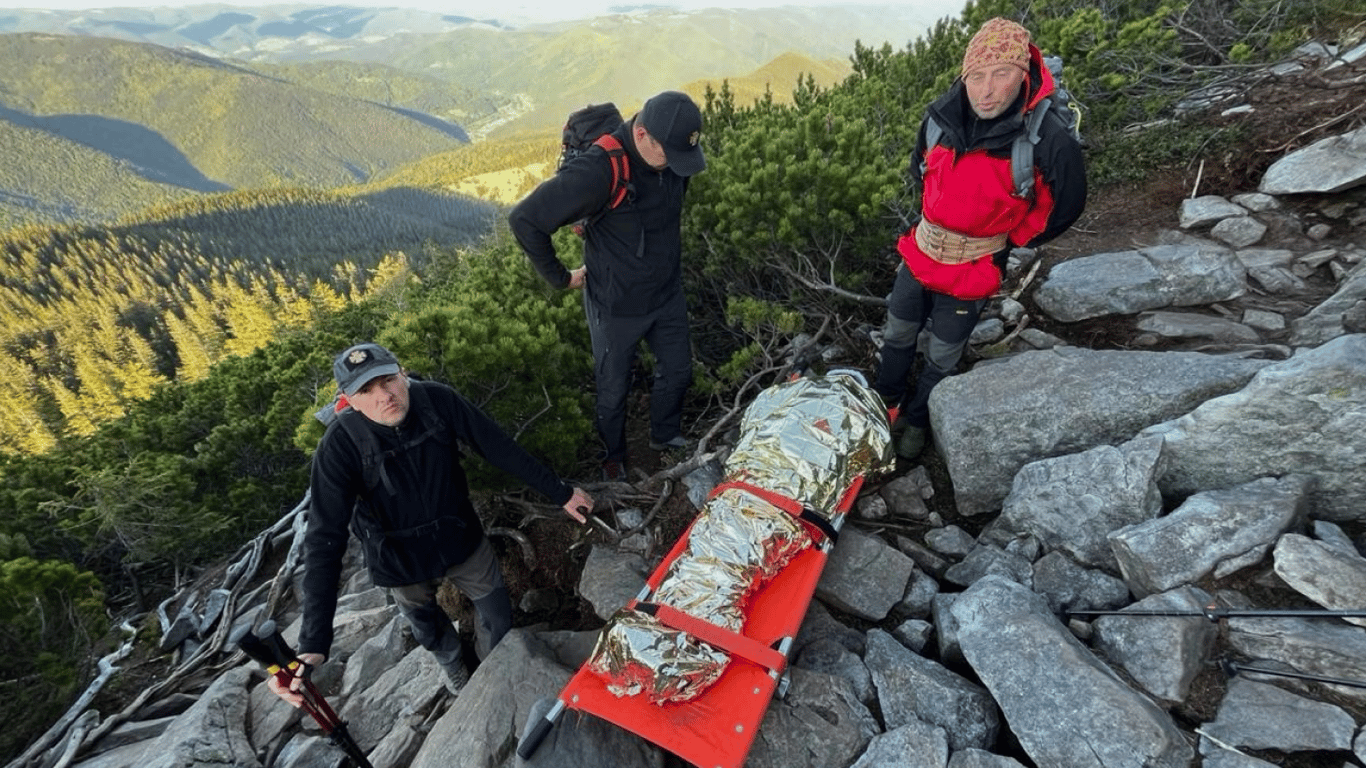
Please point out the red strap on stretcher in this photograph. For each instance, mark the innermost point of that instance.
(785, 503)
(733, 643)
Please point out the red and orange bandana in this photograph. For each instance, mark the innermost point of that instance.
(998, 42)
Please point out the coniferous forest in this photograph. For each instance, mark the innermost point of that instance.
(162, 371)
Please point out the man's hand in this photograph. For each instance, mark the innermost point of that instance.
(577, 277)
(579, 505)
(291, 693)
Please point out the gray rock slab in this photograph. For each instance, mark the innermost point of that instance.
(611, 578)
(1327, 320)
(1072, 503)
(1263, 716)
(1189, 325)
(820, 723)
(1207, 209)
(1215, 532)
(1216, 755)
(1163, 654)
(1064, 706)
(1067, 586)
(988, 559)
(126, 756)
(1127, 282)
(1329, 575)
(482, 728)
(913, 688)
(1238, 231)
(210, 734)
(831, 658)
(979, 758)
(1324, 647)
(407, 688)
(996, 418)
(864, 576)
(913, 745)
(1331, 164)
(1303, 415)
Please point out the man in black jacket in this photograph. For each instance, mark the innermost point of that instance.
(632, 272)
(389, 469)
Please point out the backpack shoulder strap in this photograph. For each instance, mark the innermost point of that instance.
(366, 442)
(621, 169)
(934, 133)
(1022, 151)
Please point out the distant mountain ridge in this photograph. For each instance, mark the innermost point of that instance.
(108, 111)
(292, 32)
(176, 123)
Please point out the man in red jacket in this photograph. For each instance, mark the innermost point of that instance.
(972, 214)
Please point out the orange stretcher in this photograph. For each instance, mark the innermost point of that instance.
(717, 728)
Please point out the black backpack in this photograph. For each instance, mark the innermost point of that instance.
(1058, 103)
(593, 126)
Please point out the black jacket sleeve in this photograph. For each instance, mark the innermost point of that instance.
(578, 190)
(334, 486)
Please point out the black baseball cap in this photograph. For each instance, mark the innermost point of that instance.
(355, 367)
(676, 123)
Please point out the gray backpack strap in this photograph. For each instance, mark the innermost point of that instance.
(933, 133)
(1022, 152)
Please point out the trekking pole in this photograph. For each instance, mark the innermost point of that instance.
(1214, 613)
(1233, 668)
(268, 648)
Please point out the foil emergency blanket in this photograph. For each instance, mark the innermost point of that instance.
(806, 440)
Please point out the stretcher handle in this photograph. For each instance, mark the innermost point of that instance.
(538, 733)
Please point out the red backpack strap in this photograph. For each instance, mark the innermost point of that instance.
(621, 168)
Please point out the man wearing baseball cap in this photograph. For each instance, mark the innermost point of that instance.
(972, 214)
(389, 468)
(632, 274)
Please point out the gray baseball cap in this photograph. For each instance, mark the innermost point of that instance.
(359, 364)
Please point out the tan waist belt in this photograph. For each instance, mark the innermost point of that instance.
(948, 247)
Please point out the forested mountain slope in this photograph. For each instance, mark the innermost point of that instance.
(188, 122)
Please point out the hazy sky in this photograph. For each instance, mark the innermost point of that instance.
(538, 9)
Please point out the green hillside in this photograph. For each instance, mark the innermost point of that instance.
(453, 102)
(192, 122)
(48, 179)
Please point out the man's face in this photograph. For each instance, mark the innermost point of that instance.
(992, 90)
(383, 399)
(651, 151)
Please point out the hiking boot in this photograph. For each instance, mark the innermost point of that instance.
(456, 676)
(676, 444)
(911, 442)
(614, 471)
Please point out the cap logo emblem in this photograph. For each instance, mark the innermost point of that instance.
(693, 137)
(358, 357)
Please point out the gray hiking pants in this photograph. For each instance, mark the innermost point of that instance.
(481, 579)
(951, 322)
